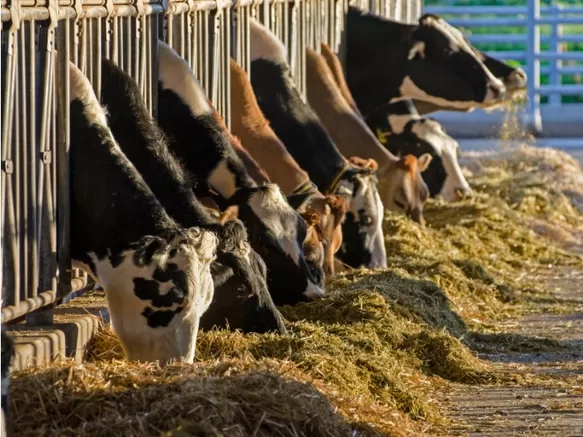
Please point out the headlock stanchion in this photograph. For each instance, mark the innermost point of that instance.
(38, 41)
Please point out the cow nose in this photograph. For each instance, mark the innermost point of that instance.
(517, 79)
(416, 215)
(462, 193)
(496, 91)
(313, 291)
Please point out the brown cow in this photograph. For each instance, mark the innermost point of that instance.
(400, 183)
(250, 125)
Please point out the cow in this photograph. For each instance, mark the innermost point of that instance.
(239, 274)
(401, 186)
(250, 125)
(276, 231)
(7, 355)
(513, 78)
(430, 61)
(404, 132)
(313, 245)
(299, 128)
(156, 274)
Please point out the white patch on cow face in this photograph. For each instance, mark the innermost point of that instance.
(175, 75)
(446, 148)
(223, 180)
(409, 90)
(281, 220)
(190, 254)
(265, 45)
(366, 197)
(398, 122)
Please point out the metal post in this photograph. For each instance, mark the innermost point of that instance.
(534, 121)
(556, 46)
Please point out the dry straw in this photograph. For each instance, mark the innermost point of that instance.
(361, 362)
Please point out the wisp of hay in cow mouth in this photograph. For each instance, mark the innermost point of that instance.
(361, 361)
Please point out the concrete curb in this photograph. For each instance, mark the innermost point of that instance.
(74, 326)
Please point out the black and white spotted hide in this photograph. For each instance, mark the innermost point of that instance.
(403, 131)
(430, 61)
(240, 284)
(6, 357)
(275, 230)
(156, 275)
(300, 129)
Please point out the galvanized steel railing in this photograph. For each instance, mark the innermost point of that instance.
(39, 37)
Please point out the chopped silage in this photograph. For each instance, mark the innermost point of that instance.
(359, 362)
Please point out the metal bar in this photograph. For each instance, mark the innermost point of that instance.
(554, 77)
(533, 67)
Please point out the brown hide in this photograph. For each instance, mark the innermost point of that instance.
(338, 72)
(347, 129)
(255, 171)
(252, 128)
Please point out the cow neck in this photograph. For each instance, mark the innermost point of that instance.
(118, 206)
(295, 123)
(348, 130)
(376, 53)
(257, 137)
(144, 144)
(201, 145)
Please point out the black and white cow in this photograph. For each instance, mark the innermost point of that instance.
(156, 275)
(430, 61)
(7, 355)
(239, 274)
(513, 78)
(403, 131)
(276, 231)
(299, 128)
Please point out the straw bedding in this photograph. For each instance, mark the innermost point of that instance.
(363, 360)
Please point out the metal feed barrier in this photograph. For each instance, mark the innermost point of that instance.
(531, 17)
(39, 37)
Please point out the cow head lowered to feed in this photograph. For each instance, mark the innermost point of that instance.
(302, 133)
(249, 124)
(156, 275)
(429, 61)
(275, 230)
(241, 298)
(402, 131)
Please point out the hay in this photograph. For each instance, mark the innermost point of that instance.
(361, 362)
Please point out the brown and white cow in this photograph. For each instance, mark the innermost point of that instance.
(276, 231)
(250, 125)
(156, 274)
(401, 186)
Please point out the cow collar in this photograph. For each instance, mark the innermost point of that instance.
(336, 181)
(307, 187)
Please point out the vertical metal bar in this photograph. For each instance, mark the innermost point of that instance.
(533, 66)
(556, 46)
(62, 154)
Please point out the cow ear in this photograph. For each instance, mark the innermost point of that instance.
(231, 213)
(424, 161)
(417, 51)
